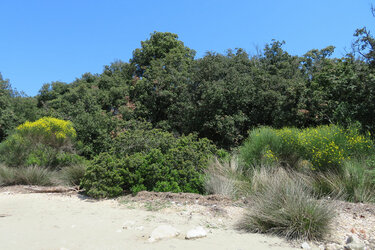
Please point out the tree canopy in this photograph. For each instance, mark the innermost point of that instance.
(219, 96)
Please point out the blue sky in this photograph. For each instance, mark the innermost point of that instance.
(45, 41)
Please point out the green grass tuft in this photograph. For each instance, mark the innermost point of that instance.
(72, 175)
(35, 175)
(32, 175)
(355, 183)
(284, 205)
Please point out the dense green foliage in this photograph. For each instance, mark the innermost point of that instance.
(131, 120)
(47, 142)
(15, 108)
(149, 160)
(218, 96)
(322, 148)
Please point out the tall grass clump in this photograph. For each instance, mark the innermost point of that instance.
(227, 177)
(355, 182)
(284, 205)
(7, 176)
(33, 175)
(72, 175)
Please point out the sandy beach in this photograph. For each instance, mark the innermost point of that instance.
(71, 221)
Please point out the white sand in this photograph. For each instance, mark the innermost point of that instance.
(55, 221)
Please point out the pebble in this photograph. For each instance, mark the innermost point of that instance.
(354, 243)
(196, 233)
(163, 232)
(305, 245)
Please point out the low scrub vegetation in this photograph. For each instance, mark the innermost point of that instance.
(355, 183)
(72, 175)
(340, 161)
(47, 142)
(32, 175)
(285, 205)
(227, 177)
(157, 162)
(324, 148)
(291, 176)
(41, 153)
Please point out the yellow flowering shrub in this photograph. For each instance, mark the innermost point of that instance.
(325, 147)
(270, 156)
(47, 142)
(48, 130)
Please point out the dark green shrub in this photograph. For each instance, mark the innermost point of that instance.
(14, 150)
(141, 140)
(145, 170)
(103, 177)
(178, 168)
(165, 186)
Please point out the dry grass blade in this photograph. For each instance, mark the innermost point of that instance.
(284, 204)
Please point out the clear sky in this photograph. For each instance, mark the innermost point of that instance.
(59, 40)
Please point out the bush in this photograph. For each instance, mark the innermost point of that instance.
(267, 145)
(325, 147)
(141, 140)
(175, 167)
(46, 143)
(41, 155)
(48, 131)
(72, 175)
(103, 177)
(14, 150)
(355, 183)
(284, 205)
(32, 175)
